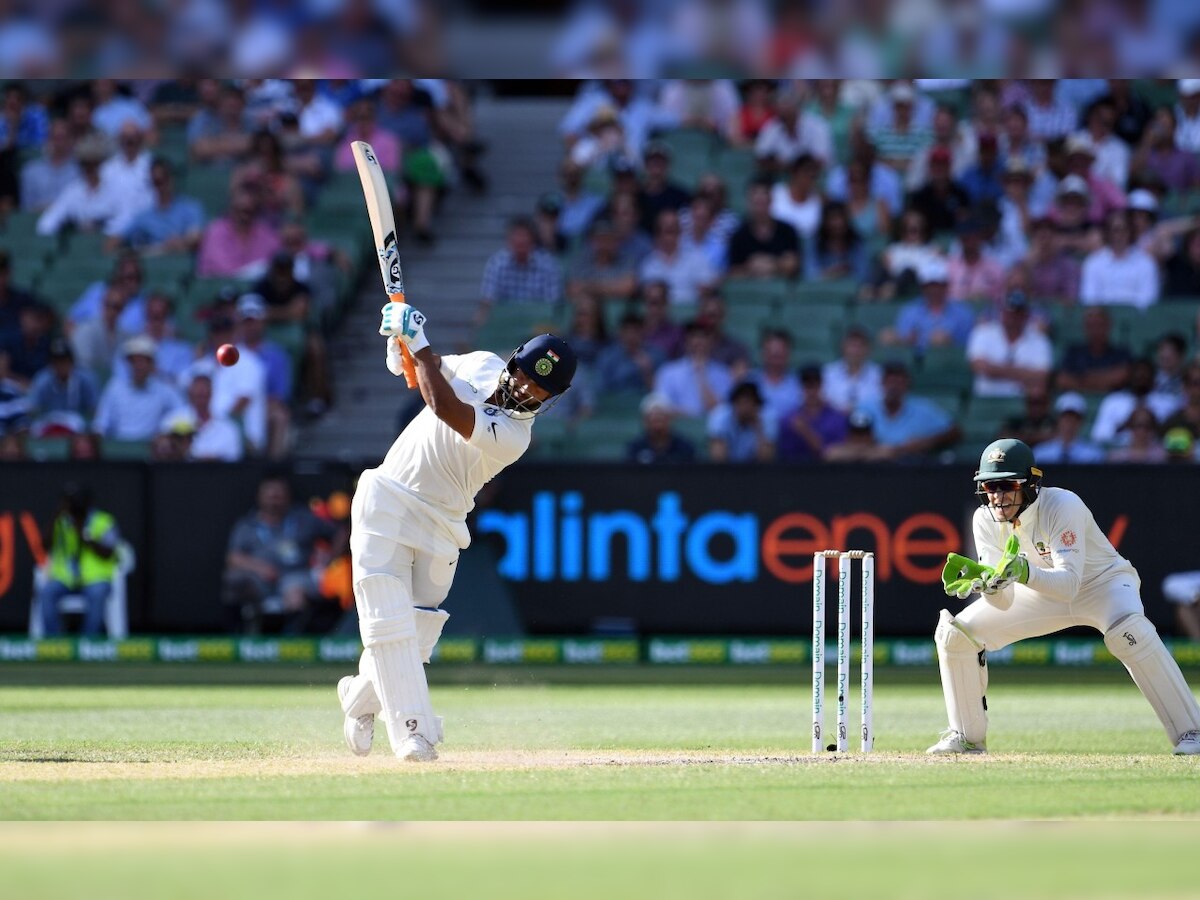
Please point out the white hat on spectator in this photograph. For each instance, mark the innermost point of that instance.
(1071, 402)
(1189, 86)
(934, 270)
(902, 92)
(251, 306)
(180, 422)
(1081, 142)
(655, 402)
(1144, 200)
(1073, 184)
(140, 345)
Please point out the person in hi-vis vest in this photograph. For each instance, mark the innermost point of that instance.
(81, 560)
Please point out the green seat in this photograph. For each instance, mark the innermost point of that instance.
(168, 273)
(1165, 317)
(737, 167)
(839, 291)
(759, 292)
(112, 449)
(62, 286)
(693, 153)
(508, 324)
(875, 317)
(942, 368)
(210, 185)
(289, 336)
(695, 430)
(48, 449)
(985, 416)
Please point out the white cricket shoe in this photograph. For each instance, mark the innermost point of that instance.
(1189, 744)
(953, 742)
(359, 731)
(416, 748)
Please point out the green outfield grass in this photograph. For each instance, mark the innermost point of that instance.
(157, 742)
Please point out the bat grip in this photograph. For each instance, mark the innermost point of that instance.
(410, 368)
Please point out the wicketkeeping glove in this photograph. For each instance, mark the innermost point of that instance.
(406, 323)
(1012, 568)
(962, 576)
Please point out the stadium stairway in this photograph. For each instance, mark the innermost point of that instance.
(442, 280)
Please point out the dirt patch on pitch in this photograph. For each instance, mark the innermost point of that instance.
(379, 763)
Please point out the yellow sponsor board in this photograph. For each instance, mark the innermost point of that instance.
(456, 650)
(139, 650)
(56, 650)
(300, 650)
(222, 650)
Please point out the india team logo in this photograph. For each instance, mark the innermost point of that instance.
(1067, 538)
(543, 366)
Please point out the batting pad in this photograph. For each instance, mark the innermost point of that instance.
(389, 631)
(963, 666)
(361, 699)
(430, 623)
(1135, 643)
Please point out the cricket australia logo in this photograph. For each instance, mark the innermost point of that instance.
(996, 456)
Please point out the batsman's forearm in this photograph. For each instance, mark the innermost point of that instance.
(435, 390)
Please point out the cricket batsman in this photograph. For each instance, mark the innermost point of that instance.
(408, 518)
(1044, 565)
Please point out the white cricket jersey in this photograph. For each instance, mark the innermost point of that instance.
(1068, 553)
(428, 481)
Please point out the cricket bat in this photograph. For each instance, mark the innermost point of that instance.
(383, 228)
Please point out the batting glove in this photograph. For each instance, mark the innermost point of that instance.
(406, 324)
(395, 357)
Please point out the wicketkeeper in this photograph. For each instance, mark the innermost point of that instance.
(1044, 565)
(408, 518)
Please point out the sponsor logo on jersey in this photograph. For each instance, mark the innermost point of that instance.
(1042, 549)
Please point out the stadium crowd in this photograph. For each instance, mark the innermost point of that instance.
(145, 224)
(868, 270)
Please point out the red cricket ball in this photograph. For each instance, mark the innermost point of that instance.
(227, 354)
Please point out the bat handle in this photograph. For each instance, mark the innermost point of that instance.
(410, 368)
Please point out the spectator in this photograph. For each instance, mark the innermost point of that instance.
(908, 427)
(319, 118)
(1119, 273)
(658, 444)
(545, 220)
(942, 200)
(240, 243)
(11, 300)
(1183, 268)
(1188, 415)
(931, 320)
(408, 113)
(883, 182)
(662, 334)
(82, 558)
(726, 349)
(1054, 272)
(797, 201)
(763, 247)
(126, 278)
(1117, 407)
(1016, 216)
(114, 108)
(16, 408)
(841, 117)
(96, 341)
(79, 118)
(637, 114)
(126, 174)
(627, 365)
(1016, 142)
(268, 566)
(812, 426)
(1097, 365)
(266, 172)
(131, 409)
(984, 181)
(172, 224)
(599, 269)
(700, 234)
(1048, 116)
(740, 430)
(239, 392)
(870, 214)
(757, 109)
(837, 251)
(287, 298)
(521, 272)
(1105, 197)
(860, 444)
(973, 275)
(25, 353)
(212, 438)
(794, 132)
(363, 125)
(1187, 114)
(1066, 445)
(901, 263)
(173, 443)
(705, 104)
(46, 176)
(1133, 112)
(86, 203)
(900, 140)
(174, 356)
(775, 380)
(62, 398)
(852, 380)
(223, 135)
(946, 136)
(1158, 154)
(659, 193)
(1157, 239)
(315, 264)
(586, 331)
(1035, 424)
(696, 383)
(579, 206)
(633, 244)
(1010, 355)
(1144, 444)
(1170, 356)
(23, 125)
(603, 143)
(252, 338)
(1075, 232)
(1111, 152)
(685, 270)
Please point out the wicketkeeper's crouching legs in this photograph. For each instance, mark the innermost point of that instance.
(1135, 642)
(962, 661)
